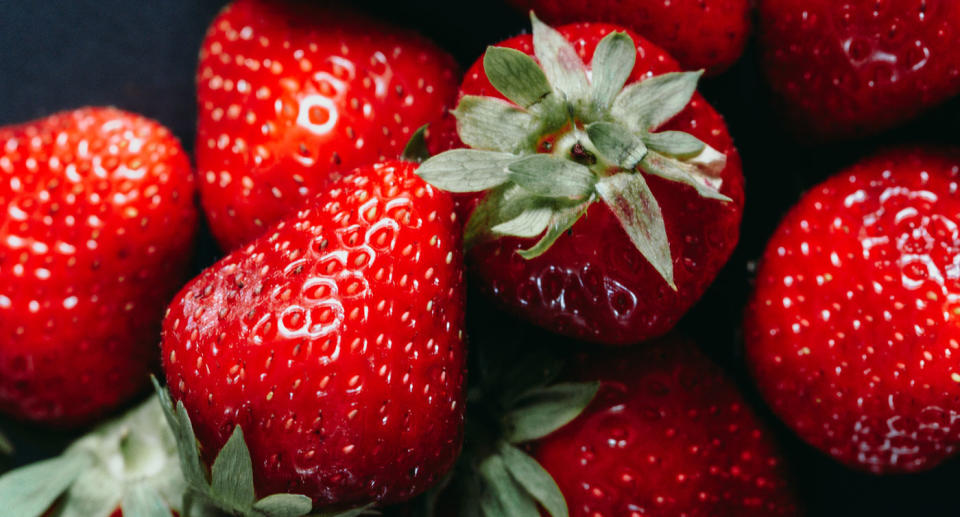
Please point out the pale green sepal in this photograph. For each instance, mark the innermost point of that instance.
(674, 143)
(516, 75)
(495, 125)
(143, 501)
(631, 201)
(466, 170)
(551, 176)
(29, 491)
(502, 495)
(617, 144)
(560, 62)
(612, 63)
(529, 223)
(530, 475)
(285, 505)
(542, 411)
(645, 105)
(416, 149)
(232, 472)
(563, 219)
(683, 172)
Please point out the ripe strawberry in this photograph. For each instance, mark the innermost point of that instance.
(668, 434)
(335, 342)
(845, 69)
(852, 331)
(707, 34)
(96, 235)
(635, 223)
(290, 92)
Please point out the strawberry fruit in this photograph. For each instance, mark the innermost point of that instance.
(852, 331)
(335, 342)
(289, 93)
(96, 237)
(629, 178)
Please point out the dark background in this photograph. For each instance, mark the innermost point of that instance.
(141, 55)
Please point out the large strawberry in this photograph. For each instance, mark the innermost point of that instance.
(290, 92)
(852, 333)
(629, 177)
(846, 69)
(667, 434)
(96, 234)
(707, 34)
(335, 342)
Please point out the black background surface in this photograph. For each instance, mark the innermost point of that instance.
(141, 55)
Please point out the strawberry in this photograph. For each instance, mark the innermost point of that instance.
(97, 232)
(666, 433)
(707, 34)
(845, 69)
(291, 93)
(852, 331)
(629, 178)
(335, 342)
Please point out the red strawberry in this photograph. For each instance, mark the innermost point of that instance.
(290, 92)
(635, 223)
(852, 333)
(707, 34)
(97, 231)
(845, 69)
(335, 341)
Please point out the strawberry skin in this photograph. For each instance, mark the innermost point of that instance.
(289, 93)
(335, 341)
(593, 284)
(852, 332)
(845, 69)
(668, 434)
(707, 34)
(96, 236)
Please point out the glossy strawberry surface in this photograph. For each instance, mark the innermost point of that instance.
(708, 34)
(592, 283)
(335, 341)
(852, 332)
(290, 93)
(845, 69)
(96, 235)
(668, 434)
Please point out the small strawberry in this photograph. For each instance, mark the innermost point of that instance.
(852, 332)
(707, 34)
(290, 92)
(846, 69)
(667, 434)
(335, 342)
(96, 236)
(628, 177)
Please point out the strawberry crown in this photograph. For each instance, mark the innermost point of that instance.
(569, 137)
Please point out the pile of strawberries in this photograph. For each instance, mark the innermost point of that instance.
(334, 362)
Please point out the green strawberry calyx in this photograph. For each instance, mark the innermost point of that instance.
(569, 137)
(128, 463)
(229, 485)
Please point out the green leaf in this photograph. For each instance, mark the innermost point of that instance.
(649, 103)
(535, 479)
(416, 149)
(612, 64)
(529, 223)
(179, 422)
(502, 495)
(629, 198)
(495, 125)
(466, 170)
(516, 75)
(29, 491)
(674, 143)
(542, 411)
(232, 472)
(141, 500)
(560, 61)
(617, 144)
(6, 446)
(284, 505)
(552, 176)
(562, 220)
(681, 172)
